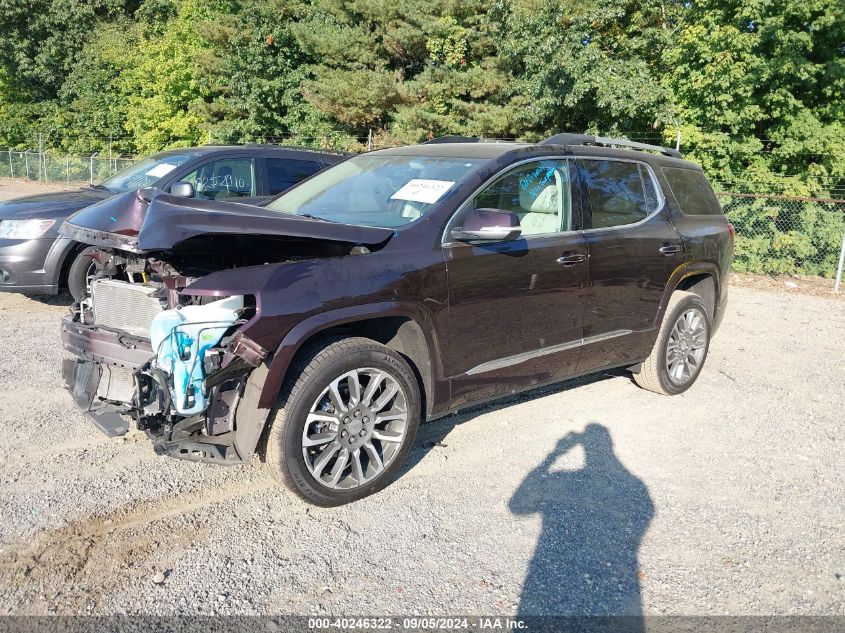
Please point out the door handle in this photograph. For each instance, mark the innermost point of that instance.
(571, 260)
(671, 249)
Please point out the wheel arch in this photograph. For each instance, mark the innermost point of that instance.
(701, 278)
(59, 258)
(703, 285)
(67, 259)
(404, 328)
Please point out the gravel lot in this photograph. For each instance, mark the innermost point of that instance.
(594, 497)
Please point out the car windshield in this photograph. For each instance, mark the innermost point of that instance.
(144, 173)
(385, 191)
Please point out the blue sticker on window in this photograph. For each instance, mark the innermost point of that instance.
(531, 183)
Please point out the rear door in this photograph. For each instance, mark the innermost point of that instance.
(633, 251)
(515, 307)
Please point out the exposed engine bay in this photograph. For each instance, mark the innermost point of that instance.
(171, 359)
(171, 362)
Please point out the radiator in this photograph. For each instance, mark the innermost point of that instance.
(116, 384)
(124, 306)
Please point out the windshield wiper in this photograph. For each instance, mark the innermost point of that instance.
(100, 187)
(314, 217)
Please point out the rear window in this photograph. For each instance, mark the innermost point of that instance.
(284, 173)
(692, 191)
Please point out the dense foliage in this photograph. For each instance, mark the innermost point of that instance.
(756, 89)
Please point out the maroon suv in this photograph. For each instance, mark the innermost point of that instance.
(399, 285)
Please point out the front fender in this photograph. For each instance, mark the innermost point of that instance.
(56, 258)
(313, 325)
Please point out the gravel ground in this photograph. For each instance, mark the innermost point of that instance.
(593, 497)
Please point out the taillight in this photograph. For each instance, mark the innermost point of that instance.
(732, 231)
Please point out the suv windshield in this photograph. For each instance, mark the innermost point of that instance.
(385, 191)
(144, 173)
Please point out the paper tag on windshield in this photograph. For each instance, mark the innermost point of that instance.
(420, 190)
(162, 169)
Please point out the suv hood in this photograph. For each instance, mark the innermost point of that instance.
(150, 220)
(56, 204)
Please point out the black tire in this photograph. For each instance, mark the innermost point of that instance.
(654, 374)
(77, 274)
(314, 369)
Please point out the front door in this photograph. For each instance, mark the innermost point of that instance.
(515, 307)
(226, 179)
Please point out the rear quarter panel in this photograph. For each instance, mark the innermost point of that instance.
(708, 246)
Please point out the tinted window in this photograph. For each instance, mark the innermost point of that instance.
(619, 193)
(284, 173)
(692, 191)
(652, 201)
(224, 178)
(537, 192)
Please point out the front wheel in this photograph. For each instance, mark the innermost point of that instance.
(345, 422)
(82, 270)
(681, 346)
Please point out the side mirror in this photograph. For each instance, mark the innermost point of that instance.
(488, 225)
(182, 189)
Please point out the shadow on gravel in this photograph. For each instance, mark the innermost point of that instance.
(430, 434)
(61, 299)
(594, 517)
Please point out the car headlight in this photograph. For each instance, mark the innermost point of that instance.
(24, 229)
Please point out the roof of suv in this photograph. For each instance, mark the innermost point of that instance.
(491, 150)
(453, 150)
(203, 150)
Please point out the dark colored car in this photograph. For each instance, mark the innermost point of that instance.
(400, 285)
(34, 259)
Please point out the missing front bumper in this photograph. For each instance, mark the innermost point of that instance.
(82, 378)
(100, 377)
(100, 352)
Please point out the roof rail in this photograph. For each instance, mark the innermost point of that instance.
(589, 139)
(462, 139)
(451, 139)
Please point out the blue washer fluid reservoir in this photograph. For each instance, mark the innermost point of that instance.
(180, 338)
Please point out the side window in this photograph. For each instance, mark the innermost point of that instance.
(692, 191)
(652, 200)
(619, 193)
(538, 192)
(225, 178)
(284, 173)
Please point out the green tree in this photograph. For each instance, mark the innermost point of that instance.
(759, 90)
(94, 99)
(409, 70)
(42, 40)
(255, 75)
(588, 66)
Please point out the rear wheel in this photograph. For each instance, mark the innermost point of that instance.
(345, 423)
(681, 346)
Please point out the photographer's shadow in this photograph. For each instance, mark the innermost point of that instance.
(585, 562)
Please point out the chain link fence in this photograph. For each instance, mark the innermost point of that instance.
(786, 235)
(50, 167)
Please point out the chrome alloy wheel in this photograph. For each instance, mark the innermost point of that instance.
(686, 346)
(355, 428)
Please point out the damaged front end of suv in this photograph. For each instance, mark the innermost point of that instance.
(171, 337)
